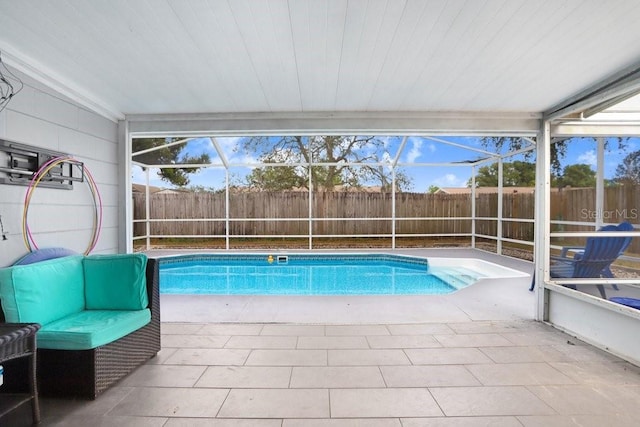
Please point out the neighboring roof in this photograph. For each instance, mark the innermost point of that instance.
(493, 190)
(140, 188)
(337, 188)
(505, 190)
(486, 190)
(325, 56)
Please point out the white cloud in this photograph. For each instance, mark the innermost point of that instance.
(415, 152)
(200, 144)
(138, 176)
(450, 180)
(588, 157)
(432, 147)
(229, 147)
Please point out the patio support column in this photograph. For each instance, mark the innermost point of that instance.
(227, 210)
(125, 197)
(473, 207)
(600, 183)
(393, 208)
(499, 210)
(147, 208)
(542, 219)
(310, 204)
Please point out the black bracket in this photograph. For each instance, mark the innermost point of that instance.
(19, 162)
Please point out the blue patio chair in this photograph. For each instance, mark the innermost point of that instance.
(565, 266)
(623, 226)
(594, 259)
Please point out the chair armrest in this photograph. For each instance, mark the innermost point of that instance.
(565, 249)
(153, 287)
(561, 259)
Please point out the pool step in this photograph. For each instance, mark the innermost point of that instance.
(458, 277)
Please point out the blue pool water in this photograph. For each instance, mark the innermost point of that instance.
(307, 275)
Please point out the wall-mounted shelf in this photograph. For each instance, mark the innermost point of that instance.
(19, 162)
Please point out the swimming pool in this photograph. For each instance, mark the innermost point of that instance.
(317, 274)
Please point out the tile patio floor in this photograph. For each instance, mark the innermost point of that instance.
(461, 372)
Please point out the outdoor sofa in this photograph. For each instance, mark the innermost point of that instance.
(99, 317)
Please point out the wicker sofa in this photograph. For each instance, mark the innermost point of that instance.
(86, 372)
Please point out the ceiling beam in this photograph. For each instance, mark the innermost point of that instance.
(588, 129)
(64, 86)
(616, 88)
(335, 123)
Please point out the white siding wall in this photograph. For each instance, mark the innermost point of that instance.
(41, 117)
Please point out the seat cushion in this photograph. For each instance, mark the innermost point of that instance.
(562, 270)
(116, 282)
(42, 292)
(629, 302)
(91, 328)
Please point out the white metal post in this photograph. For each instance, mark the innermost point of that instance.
(147, 209)
(499, 211)
(394, 164)
(473, 207)
(225, 162)
(125, 196)
(542, 218)
(227, 210)
(310, 203)
(393, 208)
(600, 184)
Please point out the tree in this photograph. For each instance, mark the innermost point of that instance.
(433, 189)
(578, 175)
(334, 155)
(276, 178)
(202, 189)
(628, 172)
(558, 147)
(168, 155)
(514, 174)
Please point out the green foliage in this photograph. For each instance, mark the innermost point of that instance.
(578, 175)
(168, 155)
(276, 178)
(628, 172)
(433, 189)
(514, 174)
(558, 147)
(294, 153)
(202, 189)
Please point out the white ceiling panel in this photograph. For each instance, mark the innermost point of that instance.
(125, 57)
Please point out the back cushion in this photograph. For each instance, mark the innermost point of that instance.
(44, 291)
(44, 254)
(116, 282)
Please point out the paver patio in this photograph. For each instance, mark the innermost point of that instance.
(489, 366)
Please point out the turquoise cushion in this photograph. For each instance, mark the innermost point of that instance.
(42, 292)
(116, 282)
(90, 329)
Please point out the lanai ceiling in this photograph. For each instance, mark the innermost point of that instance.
(130, 57)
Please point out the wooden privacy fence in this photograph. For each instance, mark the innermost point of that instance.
(375, 208)
(206, 212)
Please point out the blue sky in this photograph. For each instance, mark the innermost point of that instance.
(417, 150)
